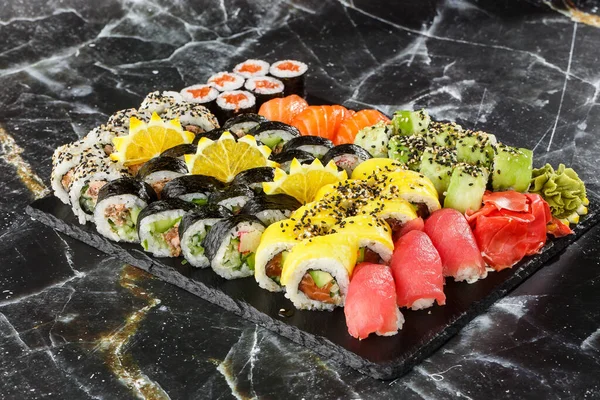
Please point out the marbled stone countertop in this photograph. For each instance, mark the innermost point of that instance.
(77, 324)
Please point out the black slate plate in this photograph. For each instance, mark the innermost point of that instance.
(324, 332)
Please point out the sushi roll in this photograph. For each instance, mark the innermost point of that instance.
(158, 226)
(64, 161)
(232, 197)
(205, 95)
(285, 158)
(396, 212)
(316, 272)
(275, 244)
(232, 103)
(226, 81)
(160, 170)
(414, 188)
(373, 235)
(194, 118)
(264, 88)
(271, 208)
(254, 177)
(346, 156)
(242, 123)
(180, 150)
(192, 188)
(157, 102)
(252, 68)
(292, 74)
(118, 206)
(274, 134)
(230, 245)
(315, 145)
(88, 179)
(194, 227)
(215, 134)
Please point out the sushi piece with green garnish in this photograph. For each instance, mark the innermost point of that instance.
(512, 168)
(407, 150)
(466, 188)
(375, 139)
(476, 148)
(407, 122)
(437, 164)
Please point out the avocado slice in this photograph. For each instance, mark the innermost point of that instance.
(466, 188)
(406, 122)
(321, 278)
(476, 148)
(437, 165)
(164, 225)
(512, 169)
(443, 134)
(407, 150)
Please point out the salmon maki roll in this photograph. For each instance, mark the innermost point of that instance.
(283, 109)
(323, 121)
(417, 269)
(352, 125)
(371, 302)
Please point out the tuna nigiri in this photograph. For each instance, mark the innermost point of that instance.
(350, 126)
(283, 109)
(417, 270)
(323, 121)
(452, 237)
(371, 302)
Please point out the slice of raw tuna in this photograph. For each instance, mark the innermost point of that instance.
(415, 224)
(417, 270)
(371, 302)
(452, 237)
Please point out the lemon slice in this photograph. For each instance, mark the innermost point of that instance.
(304, 181)
(148, 140)
(223, 159)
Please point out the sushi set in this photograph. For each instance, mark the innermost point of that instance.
(367, 239)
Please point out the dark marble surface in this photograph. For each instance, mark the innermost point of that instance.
(75, 323)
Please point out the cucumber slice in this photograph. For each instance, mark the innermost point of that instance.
(466, 187)
(512, 169)
(407, 150)
(250, 261)
(164, 225)
(271, 141)
(200, 201)
(443, 134)
(437, 165)
(321, 278)
(374, 139)
(407, 122)
(361, 255)
(476, 148)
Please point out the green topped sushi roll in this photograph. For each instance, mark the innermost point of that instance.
(407, 122)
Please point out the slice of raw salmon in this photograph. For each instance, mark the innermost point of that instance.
(323, 121)
(283, 109)
(351, 126)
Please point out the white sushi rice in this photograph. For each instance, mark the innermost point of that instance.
(188, 95)
(263, 257)
(421, 304)
(326, 264)
(264, 68)
(190, 197)
(399, 322)
(269, 217)
(157, 102)
(281, 133)
(236, 82)
(316, 150)
(231, 202)
(218, 263)
(157, 246)
(284, 73)
(469, 274)
(103, 227)
(193, 114)
(246, 103)
(199, 260)
(253, 85)
(101, 135)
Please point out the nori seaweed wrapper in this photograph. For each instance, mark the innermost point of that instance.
(286, 156)
(163, 205)
(230, 192)
(191, 184)
(308, 141)
(127, 185)
(215, 134)
(245, 118)
(161, 164)
(179, 150)
(254, 175)
(346, 149)
(215, 238)
(208, 211)
(270, 202)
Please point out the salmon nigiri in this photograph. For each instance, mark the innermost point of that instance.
(283, 109)
(350, 126)
(323, 121)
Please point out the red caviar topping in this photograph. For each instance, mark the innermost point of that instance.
(235, 98)
(265, 84)
(201, 92)
(251, 68)
(289, 66)
(221, 80)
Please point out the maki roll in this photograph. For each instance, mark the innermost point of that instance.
(373, 235)
(192, 188)
(254, 177)
(272, 208)
(315, 145)
(274, 134)
(158, 226)
(232, 197)
(226, 81)
(119, 204)
(285, 158)
(346, 156)
(157, 102)
(194, 118)
(160, 170)
(264, 88)
(231, 245)
(232, 103)
(180, 150)
(205, 95)
(394, 210)
(252, 68)
(242, 123)
(215, 134)
(194, 227)
(292, 74)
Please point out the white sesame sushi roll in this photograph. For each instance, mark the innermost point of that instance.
(194, 118)
(157, 102)
(158, 227)
(226, 81)
(64, 161)
(118, 206)
(231, 245)
(88, 178)
(252, 68)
